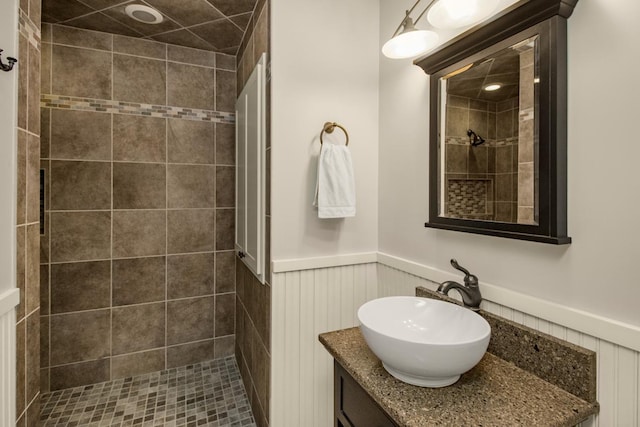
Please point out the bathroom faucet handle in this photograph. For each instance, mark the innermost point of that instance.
(469, 279)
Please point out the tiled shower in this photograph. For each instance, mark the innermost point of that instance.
(482, 181)
(127, 144)
(137, 262)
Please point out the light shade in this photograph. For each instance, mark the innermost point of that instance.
(451, 14)
(409, 44)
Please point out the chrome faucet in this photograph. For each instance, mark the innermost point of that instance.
(470, 291)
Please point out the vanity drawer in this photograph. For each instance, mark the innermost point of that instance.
(353, 406)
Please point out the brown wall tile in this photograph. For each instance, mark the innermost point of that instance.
(78, 236)
(190, 231)
(190, 86)
(225, 314)
(80, 286)
(190, 320)
(34, 90)
(138, 280)
(139, 233)
(191, 186)
(139, 80)
(188, 354)
(81, 72)
(504, 159)
(189, 141)
(139, 47)
(225, 272)
(21, 269)
(139, 186)
(92, 372)
(456, 158)
(225, 62)
(191, 56)
(44, 240)
(137, 364)
(78, 337)
(33, 355)
(138, 327)
(225, 187)
(190, 275)
(44, 381)
(225, 346)
(81, 38)
(23, 83)
(33, 178)
(225, 90)
(44, 289)
(21, 184)
(45, 132)
(225, 229)
(79, 185)
(32, 285)
(44, 341)
(33, 411)
(80, 135)
(139, 138)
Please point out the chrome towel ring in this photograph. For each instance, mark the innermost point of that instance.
(329, 127)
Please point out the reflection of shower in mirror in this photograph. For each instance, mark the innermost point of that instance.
(474, 138)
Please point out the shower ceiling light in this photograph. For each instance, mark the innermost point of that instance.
(144, 14)
(493, 86)
(407, 41)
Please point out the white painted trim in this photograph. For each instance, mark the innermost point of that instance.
(9, 299)
(285, 265)
(610, 330)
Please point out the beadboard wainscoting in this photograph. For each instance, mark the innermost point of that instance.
(618, 366)
(306, 303)
(8, 301)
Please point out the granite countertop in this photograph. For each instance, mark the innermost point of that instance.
(494, 393)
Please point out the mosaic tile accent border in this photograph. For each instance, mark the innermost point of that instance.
(28, 29)
(458, 140)
(135, 108)
(209, 393)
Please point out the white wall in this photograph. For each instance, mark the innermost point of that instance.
(324, 68)
(8, 136)
(597, 273)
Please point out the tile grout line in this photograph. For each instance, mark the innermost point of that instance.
(111, 214)
(166, 216)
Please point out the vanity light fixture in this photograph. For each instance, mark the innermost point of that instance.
(408, 41)
(492, 87)
(144, 14)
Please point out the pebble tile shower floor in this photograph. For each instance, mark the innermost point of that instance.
(206, 394)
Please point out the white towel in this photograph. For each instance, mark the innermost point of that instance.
(335, 188)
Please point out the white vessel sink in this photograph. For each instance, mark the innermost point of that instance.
(422, 341)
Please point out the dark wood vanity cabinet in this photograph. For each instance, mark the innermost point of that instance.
(353, 406)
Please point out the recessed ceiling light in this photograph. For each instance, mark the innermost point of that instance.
(144, 14)
(492, 87)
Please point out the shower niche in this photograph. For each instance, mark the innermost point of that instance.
(497, 128)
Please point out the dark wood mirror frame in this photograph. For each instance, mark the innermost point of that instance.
(548, 19)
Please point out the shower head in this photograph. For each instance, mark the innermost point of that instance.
(474, 138)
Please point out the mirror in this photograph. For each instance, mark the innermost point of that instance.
(497, 126)
(488, 139)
